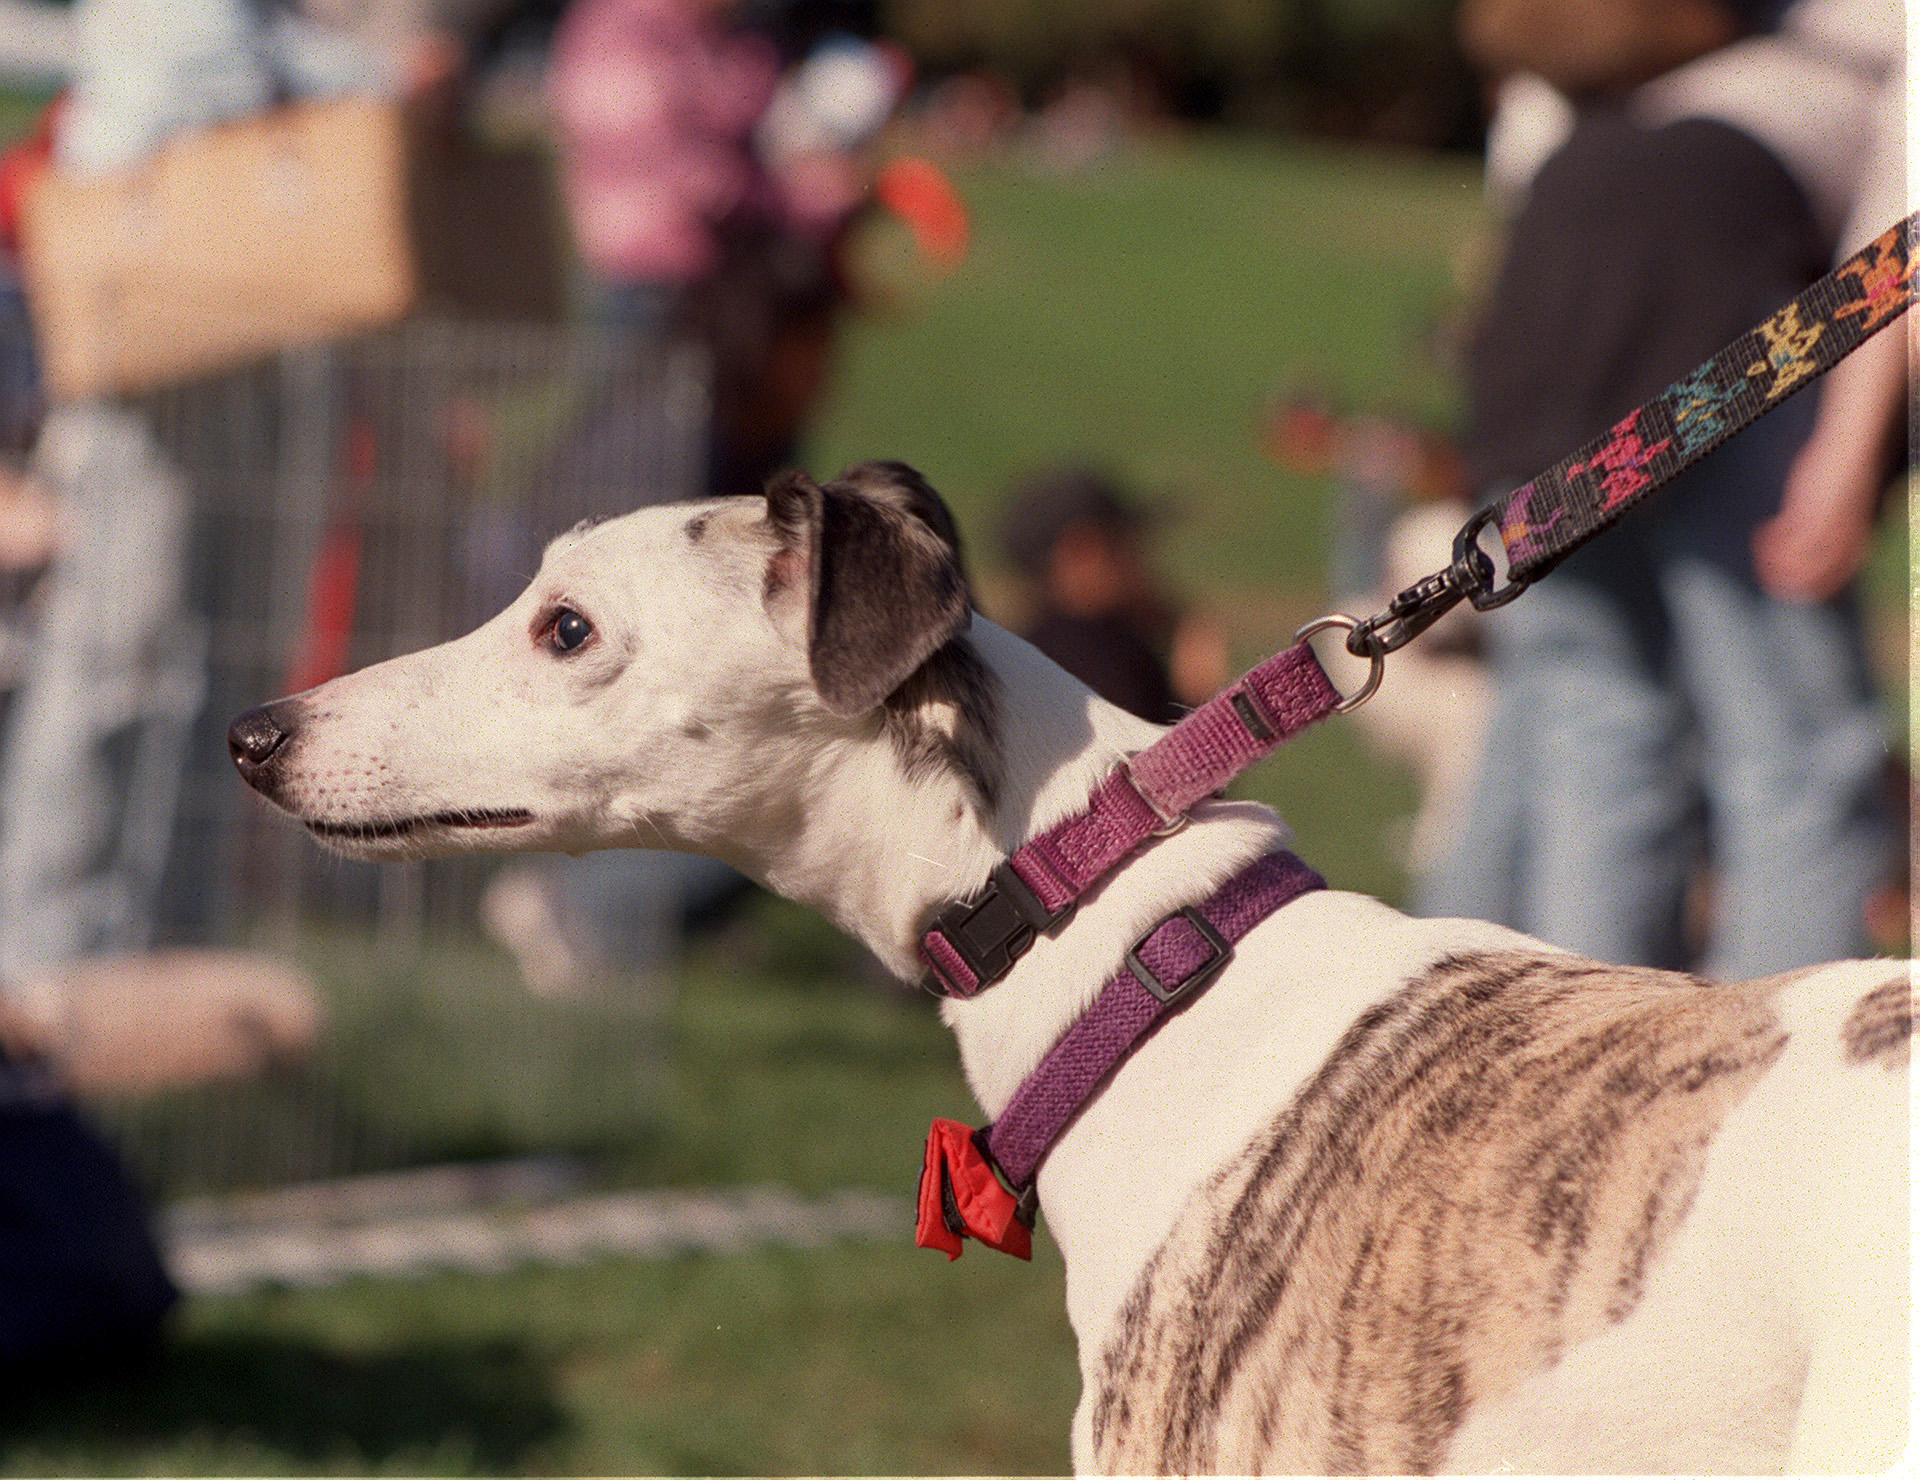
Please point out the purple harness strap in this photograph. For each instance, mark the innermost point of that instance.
(1170, 964)
(974, 943)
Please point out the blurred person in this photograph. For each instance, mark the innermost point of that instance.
(1825, 91)
(110, 653)
(117, 650)
(94, 537)
(1660, 670)
(81, 1278)
(680, 126)
(769, 320)
(710, 186)
(1099, 610)
(655, 103)
(710, 193)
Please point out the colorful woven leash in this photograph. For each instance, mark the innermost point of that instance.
(980, 1184)
(1542, 522)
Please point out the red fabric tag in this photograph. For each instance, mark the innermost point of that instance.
(957, 1177)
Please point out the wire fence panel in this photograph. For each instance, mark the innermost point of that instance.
(369, 499)
(352, 502)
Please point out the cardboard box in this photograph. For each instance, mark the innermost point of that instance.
(304, 224)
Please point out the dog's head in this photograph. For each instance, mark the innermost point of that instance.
(667, 679)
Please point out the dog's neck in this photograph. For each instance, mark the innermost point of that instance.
(885, 842)
(881, 851)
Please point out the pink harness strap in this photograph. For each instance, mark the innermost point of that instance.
(974, 943)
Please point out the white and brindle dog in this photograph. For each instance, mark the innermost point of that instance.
(1392, 1195)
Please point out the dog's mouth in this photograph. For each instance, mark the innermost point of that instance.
(402, 829)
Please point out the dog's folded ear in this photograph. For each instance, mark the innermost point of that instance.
(885, 588)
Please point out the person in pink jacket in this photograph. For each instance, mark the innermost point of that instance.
(655, 103)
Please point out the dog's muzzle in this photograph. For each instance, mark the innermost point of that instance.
(256, 740)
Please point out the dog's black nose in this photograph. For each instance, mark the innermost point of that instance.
(256, 738)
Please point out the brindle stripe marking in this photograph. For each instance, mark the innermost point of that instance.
(1509, 1134)
(1881, 1023)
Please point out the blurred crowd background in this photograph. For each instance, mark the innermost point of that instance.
(319, 317)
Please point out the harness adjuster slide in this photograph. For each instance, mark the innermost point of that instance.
(1169, 824)
(1199, 976)
(997, 926)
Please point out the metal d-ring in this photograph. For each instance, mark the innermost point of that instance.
(1376, 655)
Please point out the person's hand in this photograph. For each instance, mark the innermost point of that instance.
(1818, 541)
(1816, 544)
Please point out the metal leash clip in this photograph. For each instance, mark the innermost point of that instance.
(1471, 578)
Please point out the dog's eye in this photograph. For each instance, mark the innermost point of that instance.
(568, 631)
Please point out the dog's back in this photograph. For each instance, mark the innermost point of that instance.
(1535, 1212)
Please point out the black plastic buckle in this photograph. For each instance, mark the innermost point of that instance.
(1195, 979)
(998, 925)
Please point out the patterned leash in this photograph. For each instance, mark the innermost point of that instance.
(975, 942)
(1542, 522)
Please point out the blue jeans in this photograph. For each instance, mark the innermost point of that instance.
(91, 762)
(1654, 706)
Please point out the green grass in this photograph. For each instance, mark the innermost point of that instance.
(788, 1063)
(1139, 314)
(862, 1360)
(1142, 313)
(781, 1055)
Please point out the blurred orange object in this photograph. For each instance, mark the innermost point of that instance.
(919, 193)
(19, 164)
